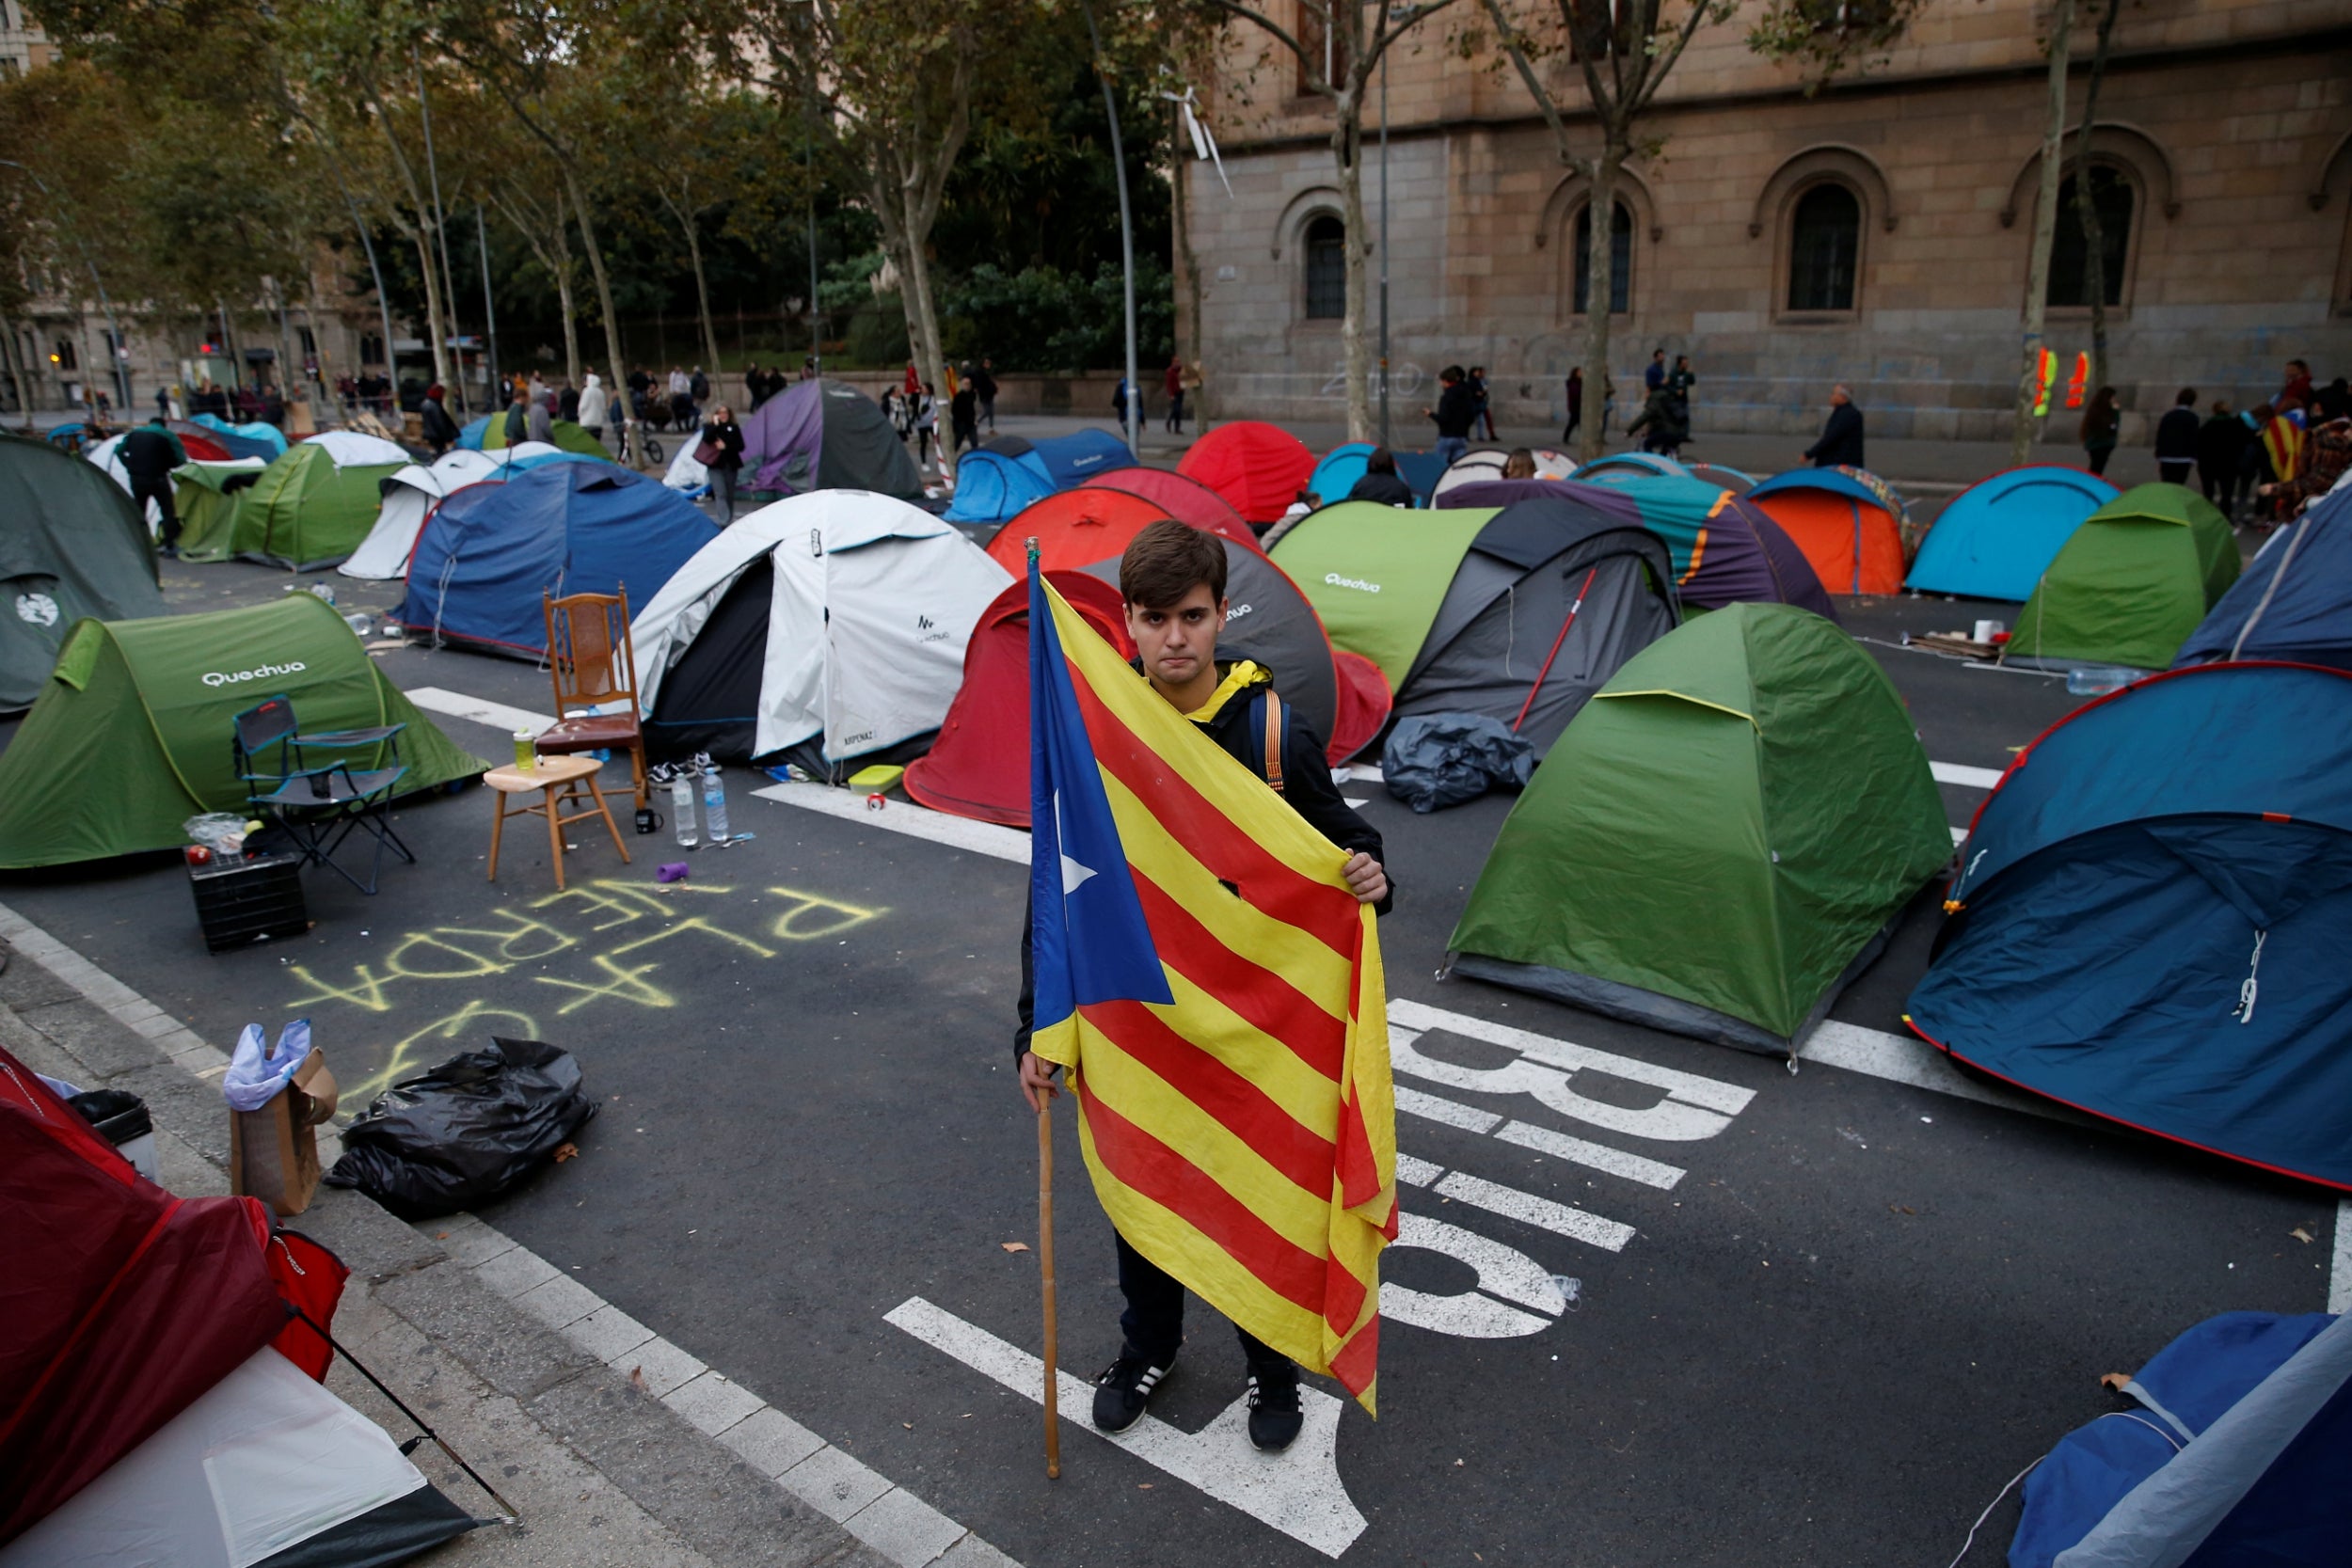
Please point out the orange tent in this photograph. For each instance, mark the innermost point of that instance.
(1848, 523)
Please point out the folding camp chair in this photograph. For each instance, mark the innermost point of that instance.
(594, 664)
(320, 804)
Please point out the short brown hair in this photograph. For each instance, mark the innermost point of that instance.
(1163, 562)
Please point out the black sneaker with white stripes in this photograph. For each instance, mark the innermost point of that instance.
(1274, 1417)
(1123, 1390)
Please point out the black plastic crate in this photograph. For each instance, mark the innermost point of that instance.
(241, 901)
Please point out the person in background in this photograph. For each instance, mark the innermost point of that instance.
(1662, 418)
(2219, 441)
(1576, 404)
(721, 432)
(440, 430)
(1172, 383)
(1455, 409)
(2101, 421)
(984, 387)
(963, 418)
(163, 398)
(890, 411)
(538, 423)
(754, 386)
(2176, 438)
(1195, 376)
(2334, 401)
(536, 388)
(1654, 373)
(2326, 454)
(1520, 465)
(2298, 390)
(808, 368)
(2282, 436)
(1118, 404)
(518, 418)
(698, 388)
(1482, 399)
(926, 423)
(681, 399)
(910, 385)
(593, 406)
(1841, 445)
(149, 454)
(1679, 382)
(567, 402)
(1382, 483)
(2253, 461)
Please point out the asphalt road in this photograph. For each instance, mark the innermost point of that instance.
(1859, 1308)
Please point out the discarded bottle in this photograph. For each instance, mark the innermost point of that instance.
(682, 808)
(2097, 681)
(714, 804)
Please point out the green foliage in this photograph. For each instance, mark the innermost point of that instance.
(1044, 319)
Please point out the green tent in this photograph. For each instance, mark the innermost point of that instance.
(568, 437)
(72, 544)
(1720, 840)
(206, 495)
(2130, 584)
(131, 735)
(305, 511)
(1377, 574)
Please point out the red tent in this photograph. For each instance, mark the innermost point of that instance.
(123, 1304)
(980, 764)
(198, 442)
(1188, 500)
(1078, 528)
(1259, 467)
(1366, 702)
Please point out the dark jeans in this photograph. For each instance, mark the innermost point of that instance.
(2099, 456)
(158, 491)
(2175, 470)
(1154, 1320)
(988, 414)
(722, 486)
(1176, 413)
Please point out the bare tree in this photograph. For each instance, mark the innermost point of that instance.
(2086, 211)
(2044, 229)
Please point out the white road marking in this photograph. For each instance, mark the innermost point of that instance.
(1354, 804)
(1453, 1113)
(2340, 1277)
(1687, 1087)
(1959, 835)
(903, 816)
(1558, 1218)
(1505, 1270)
(1416, 1172)
(1298, 1491)
(1955, 773)
(1901, 1059)
(456, 704)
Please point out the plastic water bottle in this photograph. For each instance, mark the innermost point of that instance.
(682, 808)
(714, 803)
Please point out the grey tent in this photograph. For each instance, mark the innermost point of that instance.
(1551, 598)
(72, 544)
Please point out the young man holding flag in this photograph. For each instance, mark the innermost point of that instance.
(1217, 992)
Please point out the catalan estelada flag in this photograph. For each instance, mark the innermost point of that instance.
(1214, 988)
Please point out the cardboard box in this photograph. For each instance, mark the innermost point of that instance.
(273, 1151)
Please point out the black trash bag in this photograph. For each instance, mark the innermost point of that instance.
(464, 1133)
(1443, 759)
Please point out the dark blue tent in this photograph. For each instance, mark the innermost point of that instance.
(2240, 1453)
(1994, 539)
(2293, 601)
(487, 552)
(1001, 478)
(2153, 912)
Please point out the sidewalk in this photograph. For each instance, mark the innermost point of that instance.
(614, 1446)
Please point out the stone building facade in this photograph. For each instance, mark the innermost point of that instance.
(1875, 232)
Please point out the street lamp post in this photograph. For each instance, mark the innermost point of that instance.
(1384, 248)
(119, 346)
(1131, 415)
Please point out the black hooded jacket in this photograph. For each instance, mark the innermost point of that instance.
(1237, 721)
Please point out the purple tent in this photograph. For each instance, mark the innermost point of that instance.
(1504, 492)
(826, 436)
(1725, 549)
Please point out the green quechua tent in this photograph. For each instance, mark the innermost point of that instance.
(1377, 574)
(305, 510)
(131, 735)
(68, 548)
(2130, 584)
(207, 495)
(1719, 842)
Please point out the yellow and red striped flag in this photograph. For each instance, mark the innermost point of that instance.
(1214, 988)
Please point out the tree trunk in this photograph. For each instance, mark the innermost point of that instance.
(2044, 229)
(1599, 290)
(1347, 145)
(433, 319)
(1187, 264)
(2094, 231)
(561, 241)
(13, 363)
(631, 450)
(702, 298)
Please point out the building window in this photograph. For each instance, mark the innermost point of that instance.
(2070, 252)
(1321, 52)
(65, 358)
(1824, 244)
(1327, 269)
(1620, 259)
(370, 348)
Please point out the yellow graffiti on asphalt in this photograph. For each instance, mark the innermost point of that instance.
(467, 1024)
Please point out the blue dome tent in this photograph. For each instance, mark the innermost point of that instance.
(2152, 912)
(1341, 467)
(1994, 539)
(488, 552)
(2293, 601)
(1000, 479)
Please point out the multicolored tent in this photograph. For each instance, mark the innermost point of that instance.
(1849, 524)
(130, 735)
(1078, 528)
(824, 435)
(2294, 601)
(1757, 753)
(72, 544)
(1633, 463)
(1188, 500)
(2131, 585)
(1010, 472)
(265, 441)
(2152, 913)
(1256, 467)
(1725, 549)
(1994, 539)
(1483, 463)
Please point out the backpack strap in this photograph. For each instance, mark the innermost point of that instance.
(1270, 742)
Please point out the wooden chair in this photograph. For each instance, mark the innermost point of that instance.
(593, 662)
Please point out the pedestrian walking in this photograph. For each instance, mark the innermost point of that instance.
(1195, 378)
(1455, 409)
(2101, 421)
(163, 401)
(1576, 404)
(754, 386)
(1654, 373)
(594, 405)
(984, 387)
(2176, 438)
(149, 454)
(2296, 390)
(1172, 580)
(681, 399)
(1481, 400)
(890, 411)
(963, 418)
(1172, 383)
(1680, 381)
(517, 429)
(698, 388)
(1660, 423)
(1841, 445)
(536, 388)
(2220, 442)
(911, 385)
(1381, 483)
(567, 402)
(539, 424)
(440, 430)
(926, 423)
(720, 454)
(2253, 461)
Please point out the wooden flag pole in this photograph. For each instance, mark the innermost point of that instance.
(1045, 1263)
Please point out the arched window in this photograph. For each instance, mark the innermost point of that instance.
(1327, 269)
(2070, 252)
(1620, 259)
(1824, 246)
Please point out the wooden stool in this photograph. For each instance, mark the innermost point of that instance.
(553, 773)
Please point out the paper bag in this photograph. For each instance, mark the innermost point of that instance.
(273, 1151)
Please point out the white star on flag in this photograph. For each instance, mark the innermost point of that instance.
(1073, 876)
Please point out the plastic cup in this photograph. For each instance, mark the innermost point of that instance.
(526, 751)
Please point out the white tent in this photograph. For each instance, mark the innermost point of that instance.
(352, 449)
(411, 494)
(1475, 467)
(685, 473)
(861, 606)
